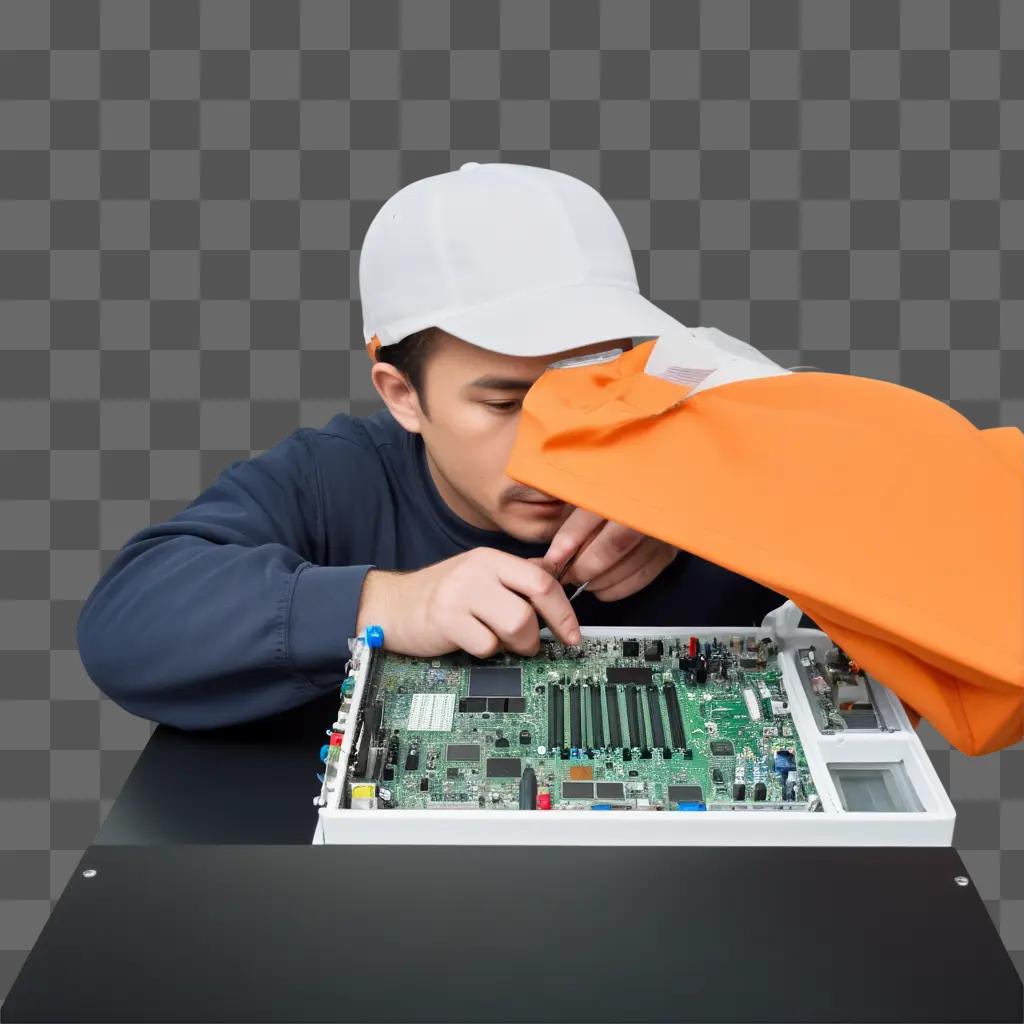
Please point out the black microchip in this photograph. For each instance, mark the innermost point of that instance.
(628, 674)
(631, 648)
(473, 705)
(463, 752)
(609, 790)
(453, 773)
(577, 790)
(685, 794)
(515, 705)
(504, 768)
(722, 748)
(501, 741)
(716, 775)
(424, 784)
(496, 681)
(654, 650)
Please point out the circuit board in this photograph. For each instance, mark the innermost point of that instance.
(645, 723)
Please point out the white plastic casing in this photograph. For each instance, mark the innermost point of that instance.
(747, 825)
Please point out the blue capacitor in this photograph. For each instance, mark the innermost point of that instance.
(691, 805)
(600, 807)
(347, 687)
(785, 762)
(374, 636)
(324, 750)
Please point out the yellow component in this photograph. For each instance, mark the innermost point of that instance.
(366, 791)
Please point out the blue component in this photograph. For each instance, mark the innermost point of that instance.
(785, 762)
(374, 636)
(691, 805)
(348, 687)
(324, 750)
(600, 807)
(574, 752)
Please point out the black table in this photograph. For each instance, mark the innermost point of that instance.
(208, 902)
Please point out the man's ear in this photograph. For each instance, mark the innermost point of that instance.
(398, 395)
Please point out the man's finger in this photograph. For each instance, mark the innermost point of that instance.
(544, 592)
(509, 616)
(577, 528)
(637, 580)
(647, 549)
(610, 546)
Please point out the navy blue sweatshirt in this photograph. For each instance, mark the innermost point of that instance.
(241, 604)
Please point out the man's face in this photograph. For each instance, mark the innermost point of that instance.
(474, 399)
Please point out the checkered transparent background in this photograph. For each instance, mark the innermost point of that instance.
(184, 186)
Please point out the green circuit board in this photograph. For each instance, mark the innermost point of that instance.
(644, 723)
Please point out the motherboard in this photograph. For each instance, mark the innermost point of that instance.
(613, 723)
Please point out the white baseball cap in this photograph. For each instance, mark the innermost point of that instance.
(513, 258)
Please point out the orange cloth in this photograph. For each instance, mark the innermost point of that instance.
(889, 518)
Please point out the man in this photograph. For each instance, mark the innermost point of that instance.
(472, 283)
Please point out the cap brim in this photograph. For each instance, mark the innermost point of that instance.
(552, 320)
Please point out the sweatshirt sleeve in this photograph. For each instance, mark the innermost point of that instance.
(222, 613)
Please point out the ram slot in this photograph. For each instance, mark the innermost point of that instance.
(575, 717)
(633, 716)
(614, 725)
(654, 707)
(551, 715)
(558, 736)
(597, 729)
(675, 718)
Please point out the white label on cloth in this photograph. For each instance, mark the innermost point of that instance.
(704, 357)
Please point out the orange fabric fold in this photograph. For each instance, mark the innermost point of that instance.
(889, 518)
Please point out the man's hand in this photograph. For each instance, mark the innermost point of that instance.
(617, 560)
(481, 601)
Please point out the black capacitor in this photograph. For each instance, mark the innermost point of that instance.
(760, 791)
(412, 759)
(739, 791)
(424, 784)
(716, 775)
(700, 676)
(528, 790)
(524, 737)
(501, 741)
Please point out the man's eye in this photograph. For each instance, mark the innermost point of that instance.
(509, 406)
